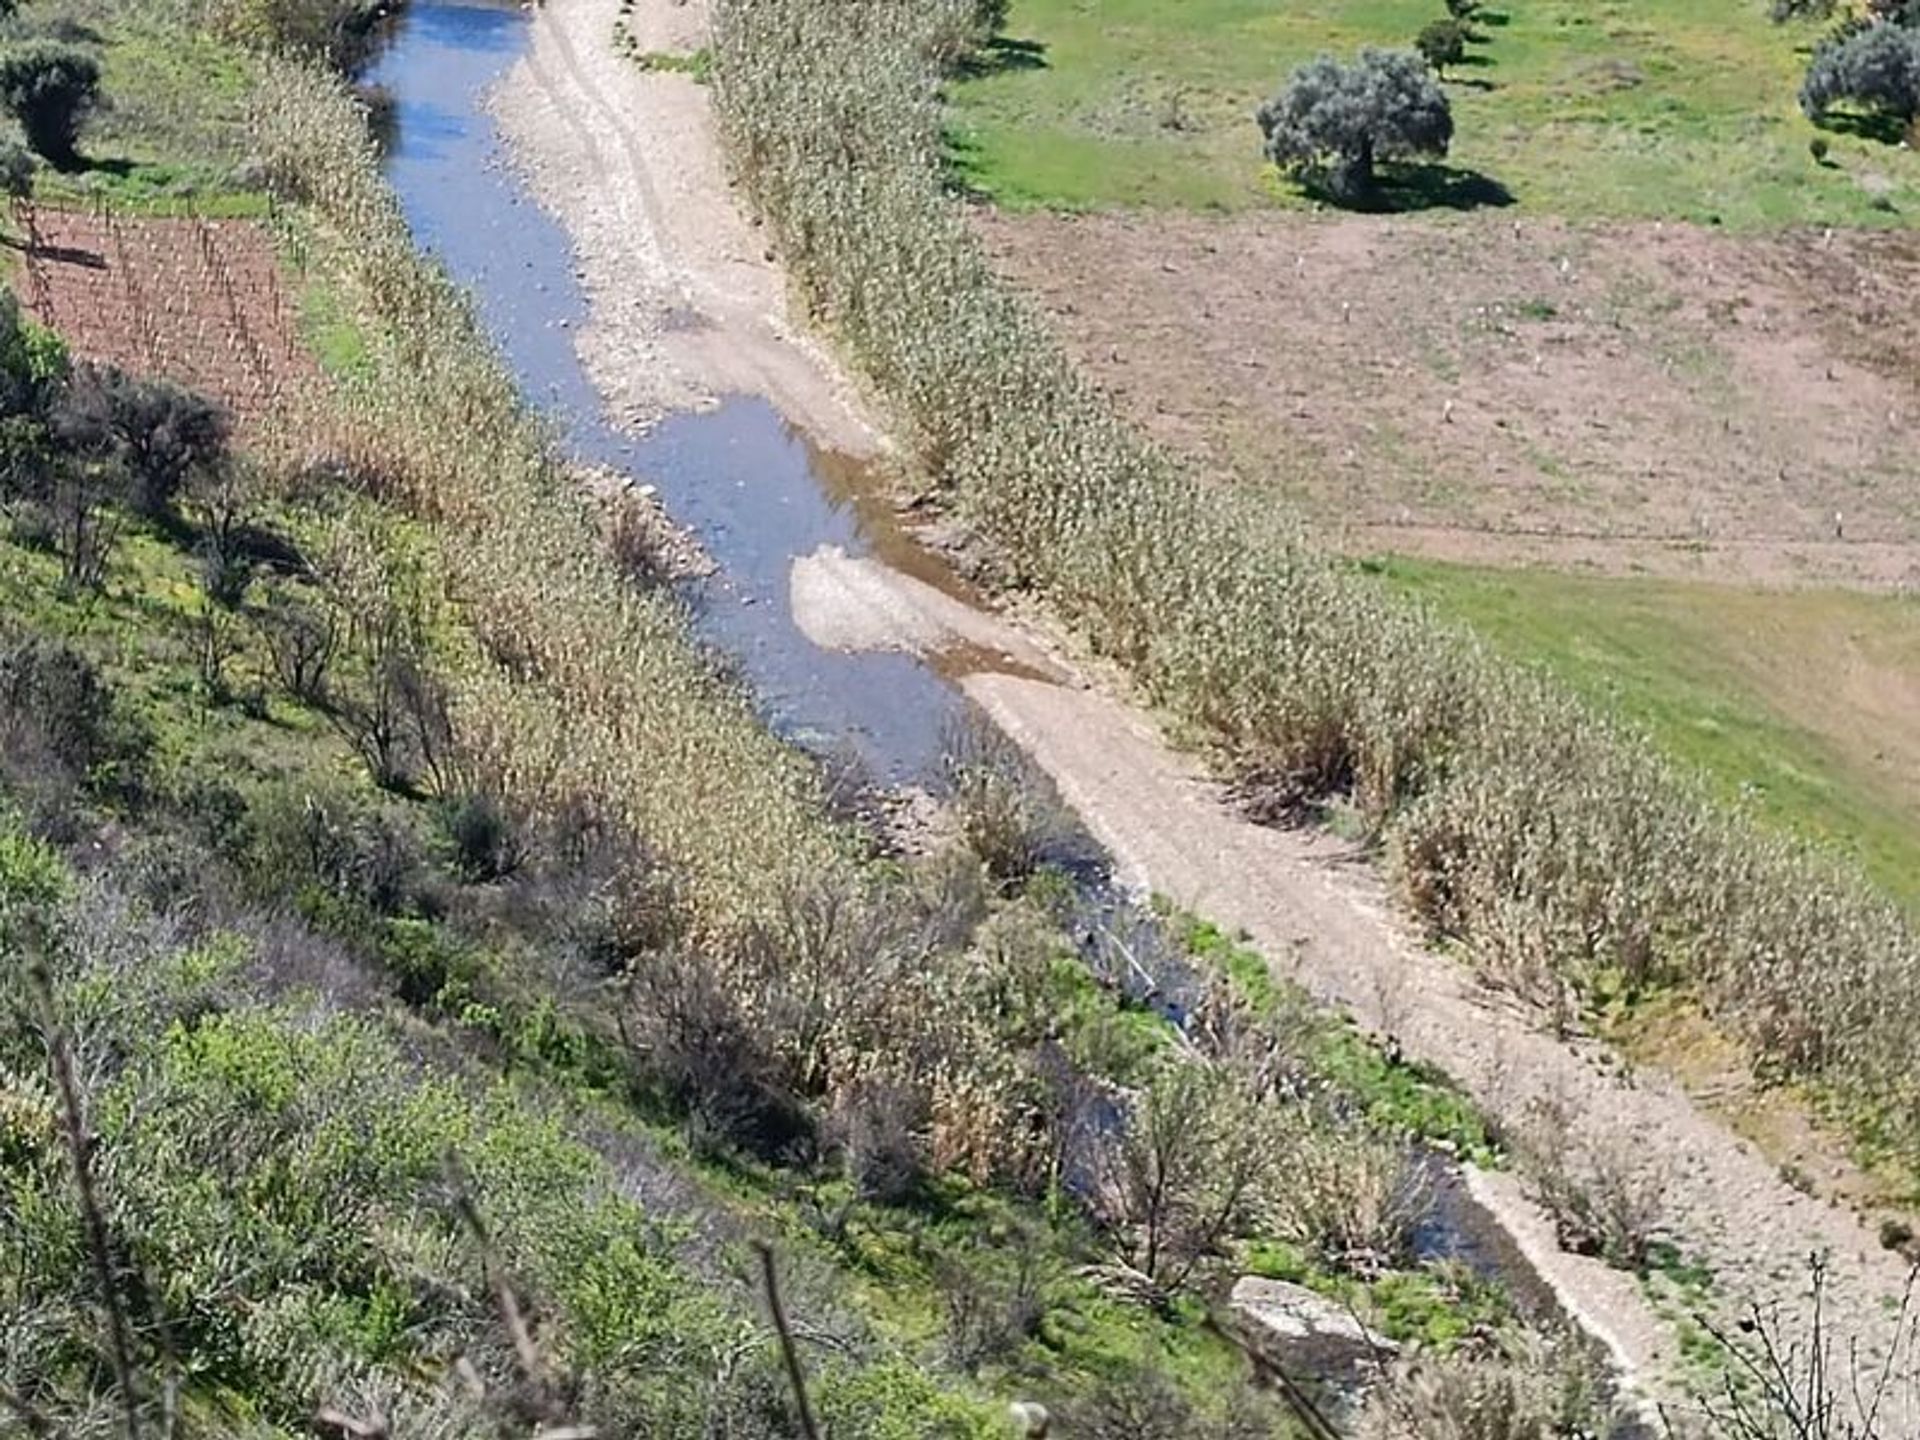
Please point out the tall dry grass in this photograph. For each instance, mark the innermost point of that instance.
(578, 692)
(1512, 818)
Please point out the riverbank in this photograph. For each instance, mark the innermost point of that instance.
(1730, 1204)
(687, 302)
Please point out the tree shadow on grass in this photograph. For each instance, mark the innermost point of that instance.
(962, 154)
(1866, 125)
(1402, 189)
(1002, 55)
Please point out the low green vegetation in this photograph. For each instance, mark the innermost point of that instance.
(1698, 667)
(1664, 108)
(1395, 1095)
(165, 134)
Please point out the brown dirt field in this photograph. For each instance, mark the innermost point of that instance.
(1652, 397)
(199, 302)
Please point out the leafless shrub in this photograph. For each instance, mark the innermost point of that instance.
(1531, 1388)
(1147, 1407)
(1194, 1159)
(818, 967)
(487, 842)
(688, 1034)
(1008, 811)
(990, 1314)
(1349, 1198)
(80, 1145)
(1792, 1378)
(369, 853)
(1602, 1198)
(881, 1127)
(393, 709)
(301, 642)
(82, 524)
(219, 500)
(216, 640)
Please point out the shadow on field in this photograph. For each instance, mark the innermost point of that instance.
(56, 254)
(1001, 55)
(1404, 188)
(1866, 125)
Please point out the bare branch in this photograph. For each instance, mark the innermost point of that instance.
(789, 1351)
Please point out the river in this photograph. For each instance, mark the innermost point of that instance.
(757, 493)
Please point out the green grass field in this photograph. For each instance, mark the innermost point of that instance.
(1770, 695)
(1617, 108)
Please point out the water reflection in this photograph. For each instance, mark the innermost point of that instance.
(756, 491)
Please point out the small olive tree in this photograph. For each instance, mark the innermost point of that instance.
(50, 88)
(1332, 123)
(1878, 68)
(1442, 43)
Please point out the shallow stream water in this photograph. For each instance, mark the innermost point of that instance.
(756, 492)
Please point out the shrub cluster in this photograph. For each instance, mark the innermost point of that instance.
(334, 32)
(1562, 851)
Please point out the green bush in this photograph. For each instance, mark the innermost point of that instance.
(1442, 43)
(335, 32)
(159, 434)
(50, 88)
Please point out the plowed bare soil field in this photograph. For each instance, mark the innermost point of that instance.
(1626, 398)
(201, 302)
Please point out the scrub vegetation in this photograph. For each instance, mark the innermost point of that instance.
(423, 981)
(1562, 855)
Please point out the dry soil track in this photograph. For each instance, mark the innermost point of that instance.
(687, 304)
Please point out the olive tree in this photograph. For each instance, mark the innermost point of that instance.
(157, 432)
(50, 88)
(1333, 122)
(1442, 43)
(1878, 68)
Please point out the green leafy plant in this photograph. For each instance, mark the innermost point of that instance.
(50, 88)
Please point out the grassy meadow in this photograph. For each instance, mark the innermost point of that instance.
(1681, 109)
(1770, 694)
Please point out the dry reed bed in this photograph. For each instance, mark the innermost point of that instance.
(1559, 849)
(572, 691)
(583, 691)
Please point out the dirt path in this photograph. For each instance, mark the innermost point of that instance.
(627, 159)
(686, 301)
(1323, 918)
